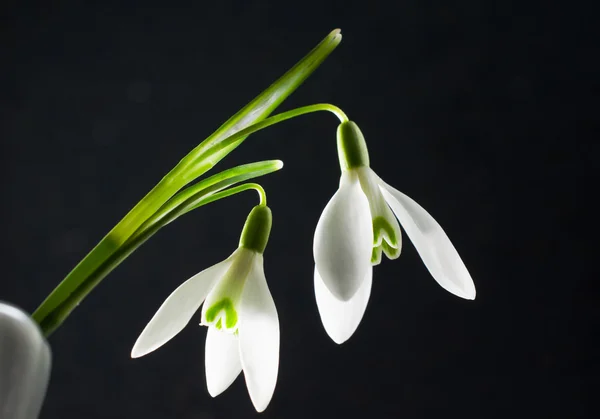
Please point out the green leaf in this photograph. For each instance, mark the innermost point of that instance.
(188, 169)
(265, 103)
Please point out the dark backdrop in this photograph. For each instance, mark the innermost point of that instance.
(479, 110)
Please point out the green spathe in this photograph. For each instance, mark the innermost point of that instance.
(352, 148)
(255, 234)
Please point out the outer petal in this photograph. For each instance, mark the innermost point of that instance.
(341, 318)
(178, 309)
(259, 337)
(344, 239)
(222, 360)
(432, 243)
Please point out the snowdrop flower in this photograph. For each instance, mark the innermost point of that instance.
(243, 326)
(359, 223)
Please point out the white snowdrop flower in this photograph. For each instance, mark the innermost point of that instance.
(357, 225)
(243, 326)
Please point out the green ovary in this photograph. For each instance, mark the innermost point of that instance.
(225, 305)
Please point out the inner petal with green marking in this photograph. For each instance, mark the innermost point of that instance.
(222, 310)
(385, 239)
(386, 229)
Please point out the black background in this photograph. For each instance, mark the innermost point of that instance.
(479, 110)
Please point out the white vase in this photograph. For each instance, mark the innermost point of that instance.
(25, 361)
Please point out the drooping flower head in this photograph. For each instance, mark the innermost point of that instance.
(242, 321)
(358, 225)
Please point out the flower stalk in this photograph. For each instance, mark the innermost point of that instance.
(102, 258)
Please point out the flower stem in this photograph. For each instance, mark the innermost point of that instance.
(233, 141)
(77, 284)
(84, 277)
(262, 196)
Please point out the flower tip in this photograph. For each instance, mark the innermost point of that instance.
(338, 339)
(467, 293)
(260, 406)
(138, 351)
(135, 353)
(336, 35)
(212, 391)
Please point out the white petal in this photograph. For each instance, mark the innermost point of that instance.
(341, 318)
(178, 309)
(432, 243)
(222, 360)
(344, 239)
(259, 337)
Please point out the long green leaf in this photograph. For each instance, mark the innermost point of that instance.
(264, 104)
(186, 171)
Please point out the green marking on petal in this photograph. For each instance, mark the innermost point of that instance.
(230, 314)
(385, 240)
(231, 319)
(390, 251)
(383, 229)
(376, 255)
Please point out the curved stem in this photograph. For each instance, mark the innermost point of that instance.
(262, 195)
(324, 107)
(212, 156)
(221, 149)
